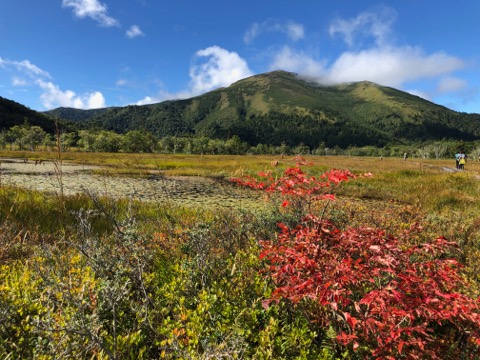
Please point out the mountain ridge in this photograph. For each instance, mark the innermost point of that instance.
(13, 113)
(281, 107)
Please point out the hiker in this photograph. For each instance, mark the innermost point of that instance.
(461, 162)
(405, 156)
(457, 160)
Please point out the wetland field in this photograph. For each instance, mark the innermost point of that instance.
(150, 256)
(70, 178)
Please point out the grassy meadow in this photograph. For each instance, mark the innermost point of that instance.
(91, 277)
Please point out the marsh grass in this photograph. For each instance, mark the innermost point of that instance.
(430, 188)
(45, 214)
(151, 279)
(168, 164)
(426, 184)
(40, 211)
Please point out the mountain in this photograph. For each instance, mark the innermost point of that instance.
(13, 113)
(280, 107)
(75, 114)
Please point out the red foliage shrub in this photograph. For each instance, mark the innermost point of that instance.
(384, 299)
(299, 190)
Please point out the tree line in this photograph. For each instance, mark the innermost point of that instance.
(34, 138)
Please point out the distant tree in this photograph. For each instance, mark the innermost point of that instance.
(217, 146)
(260, 149)
(439, 149)
(364, 151)
(152, 142)
(200, 145)
(86, 140)
(3, 140)
(283, 149)
(48, 142)
(188, 146)
(424, 152)
(15, 136)
(107, 141)
(476, 152)
(179, 144)
(136, 141)
(337, 150)
(33, 136)
(301, 149)
(166, 144)
(235, 146)
(67, 140)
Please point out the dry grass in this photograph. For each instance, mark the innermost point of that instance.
(430, 189)
(228, 163)
(432, 185)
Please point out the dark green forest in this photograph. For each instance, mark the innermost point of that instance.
(15, 114)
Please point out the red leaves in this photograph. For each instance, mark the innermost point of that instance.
(336, 176)
(351, 321)
(327, 197)
(400, 301)
(376, 293)
(297, 187)
(345, 339)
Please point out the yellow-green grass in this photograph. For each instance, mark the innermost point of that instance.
(168, 164)
(397, 194)
(52, 214)
(433, 185)
(203, 268)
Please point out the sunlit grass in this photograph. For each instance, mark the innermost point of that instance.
(184, 246)
(419, 182)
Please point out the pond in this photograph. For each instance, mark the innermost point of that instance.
(75, 178)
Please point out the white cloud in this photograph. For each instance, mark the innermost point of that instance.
(53, 97)
(375, 24)
(419, 93)
(251, 33)
(92, 9)
(134, 31)
(391, 66)
(149, 100)
(165, 95)
(222, 69)
(24, 66)
(451, 84)
(293, 30)
(95, 100)
(300, 63)
(388, 66)
(24, 73)
(121, 82)
(382, 62)
(19, 82)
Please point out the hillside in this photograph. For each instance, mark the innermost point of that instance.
(75, 114)
(279, 107)
(13, 113)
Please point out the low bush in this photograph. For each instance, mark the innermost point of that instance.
(382, 296)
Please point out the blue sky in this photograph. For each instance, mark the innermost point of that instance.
(97, 53)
